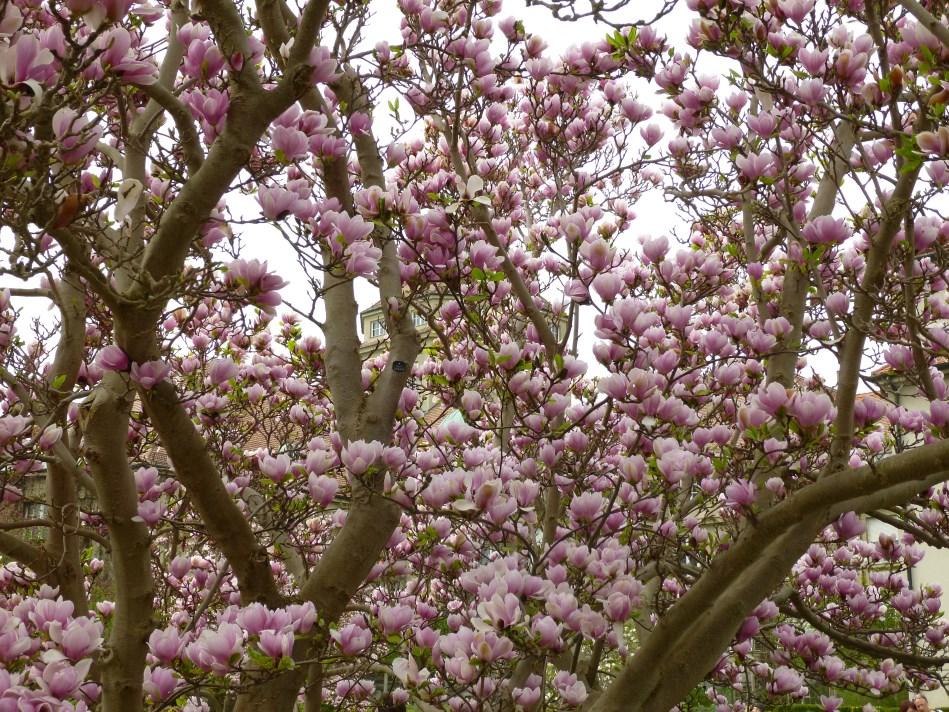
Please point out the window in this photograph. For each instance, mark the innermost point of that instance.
(34, 510)
(418, 320)
(377, 328)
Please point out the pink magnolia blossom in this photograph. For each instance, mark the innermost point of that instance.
(319, 460)
(342, 229)
(115, 55)
(166, 645)
(160, 683)
(785, 680)
(526, 697)
(276, 644)
(50, 436)
(47, 611)
(203, 59)
(500, 611)
(795, 10)
(849, 525)
(655, 249)
(26, 60)
(587, 506)
(826, 230)
(938, 172)
(251, 278)
(651, 133)
(352, 639)
(362, 258)
(934, 142)
(275, 468)
(811, 409)
(14, 638)
(322, 489)
(409, 673)
(221, 370)
(359, 456)
(151, 511)
(489, 646)
(754, 165)
(290, 143)
(358, 689)
(607, 285)
(324, 65)
(61, 678)
(740, 494)
(78, 639)
(12, 426)
(76, 134)
(772, 398)
(276, 203)
(216, 650)
(837, 303)
(150, 374)
(572, 690)
(811, 91)
(394, 619)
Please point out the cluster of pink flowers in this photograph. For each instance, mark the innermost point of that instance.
(46, 652)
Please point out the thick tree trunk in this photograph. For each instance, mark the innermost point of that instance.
(278, 694)
(123, 662)
(63, 543)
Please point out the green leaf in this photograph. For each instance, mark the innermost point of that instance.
(912, 158)
(261, 659)
(286, 663)
(59, 381)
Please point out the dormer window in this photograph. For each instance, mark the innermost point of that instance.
(377, 328)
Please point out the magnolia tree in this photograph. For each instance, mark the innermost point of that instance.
(650, 487)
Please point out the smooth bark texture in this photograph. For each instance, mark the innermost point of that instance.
(783, 364)
(106, 418)
(63, 543)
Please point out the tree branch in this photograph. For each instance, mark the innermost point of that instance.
(781, 366)
(187, 132)
(927, 20)
(690, 637)
(224, 522)
(851, 355)
(30, 556)
(877, 651)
